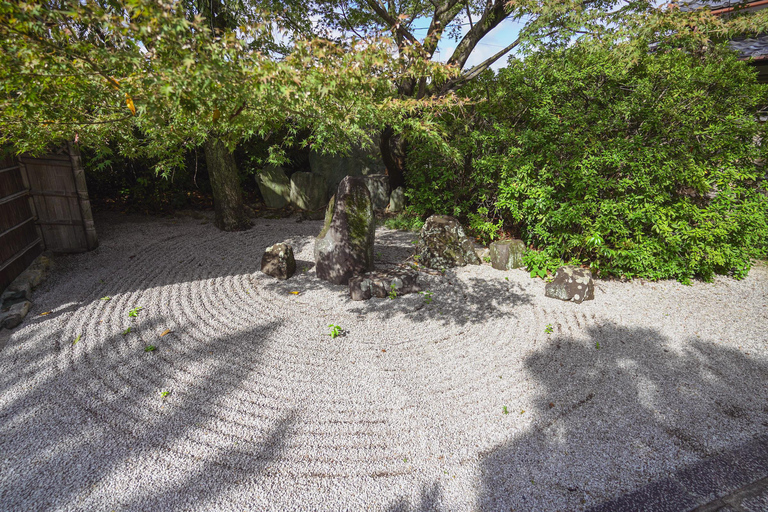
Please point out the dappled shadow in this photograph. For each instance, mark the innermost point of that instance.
(105, 410)
(618, 409)
(430, 500)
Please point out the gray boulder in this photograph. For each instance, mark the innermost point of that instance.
(15, 315)
(381, 284)
(274, 185)
(571, 283)
(397, 200)
(361, 161)
(378, 186)
(507, 254)
(308, 191)
(443, 244)
(346, 248)
(278, 261)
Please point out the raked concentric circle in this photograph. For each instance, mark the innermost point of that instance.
(458, 401)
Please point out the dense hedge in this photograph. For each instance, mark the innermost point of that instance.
(644, 168)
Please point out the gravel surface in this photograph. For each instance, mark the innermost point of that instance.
(465, 403)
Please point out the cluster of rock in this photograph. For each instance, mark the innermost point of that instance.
(310, 190)
(16, 298)
(344, 252)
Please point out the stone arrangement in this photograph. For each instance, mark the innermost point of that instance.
(15, 302)
(345, 247)
(397, 200)
(443, 244)
(506, 254)
(278, 261)
(274, 185)
(383, 284)
(572, 284)
(308, 191)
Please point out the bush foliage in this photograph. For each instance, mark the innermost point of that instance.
(642, 167)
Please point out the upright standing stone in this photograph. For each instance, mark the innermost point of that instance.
(346, 248)
(397, 200)
(507, 254)
(278, 261)
(378, 186)
(443, 244)
(571, 283)
(308, 191)
(274, 185)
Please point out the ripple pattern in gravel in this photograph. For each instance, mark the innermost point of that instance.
(462, 403)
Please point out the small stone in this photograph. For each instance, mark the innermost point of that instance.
(571, 283)
(20, 288)
(507, 254)
(381, 284)
(15, 315)
(443, 244)
(278, 261)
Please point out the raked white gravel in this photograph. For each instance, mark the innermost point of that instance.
(406, 411)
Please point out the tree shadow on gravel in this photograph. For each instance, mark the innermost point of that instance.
(63, 433)
(430, 500)
(619, 409)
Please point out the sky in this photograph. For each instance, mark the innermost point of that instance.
(494, 41)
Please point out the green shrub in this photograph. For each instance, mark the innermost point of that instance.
(405, 222)
(642, 168)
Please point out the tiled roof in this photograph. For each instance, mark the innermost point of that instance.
(692, 5)
(753, 47)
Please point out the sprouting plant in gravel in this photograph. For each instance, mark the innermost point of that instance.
(405, 459)
(548, 329)
(76, 340)
(427, 297)
(150, 348)
(335, 331)
(128, 330)
(164, 393)
(392, 291)
(597, 345)
(107, 298)
(487, 259)
(135, 311)
(506, 278)
(379, 255)
(504, 410)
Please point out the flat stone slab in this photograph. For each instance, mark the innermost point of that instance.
(382, 284)
(571, 283)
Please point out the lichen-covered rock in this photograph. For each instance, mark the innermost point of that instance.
(397, 200)
(278, 261)
(443, 244)
(308, 191)
(378, 186)
(571, 283)
(274, 185)
(382, 284)
(507, 254)
(346, 247)
(328, 216)
(15, 315)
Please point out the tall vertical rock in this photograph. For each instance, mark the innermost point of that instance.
(345, 249)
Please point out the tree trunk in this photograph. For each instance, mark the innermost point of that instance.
(393, 154)
(227, 195)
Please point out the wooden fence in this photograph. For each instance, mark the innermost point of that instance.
(44, 205)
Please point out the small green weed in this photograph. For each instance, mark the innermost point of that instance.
(548, 329)
(427, 297)
(335, 331)
(392, 291)
(506, 278)
(504, 410)
(150, 348)
(164, 393)
(487, 259)
(76, 340)
(597, 345)
(128, 330)
(105, 299)
(135, 311)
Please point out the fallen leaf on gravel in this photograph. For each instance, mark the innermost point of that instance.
(295, 293)
(46, 313)
(167, 331)
(76, 339)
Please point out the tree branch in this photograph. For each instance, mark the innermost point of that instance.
(393, 22)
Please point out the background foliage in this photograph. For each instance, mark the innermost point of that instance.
(639, 160)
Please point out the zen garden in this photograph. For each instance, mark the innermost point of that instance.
(396, 255)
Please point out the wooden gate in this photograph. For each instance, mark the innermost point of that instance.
(44, 205)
